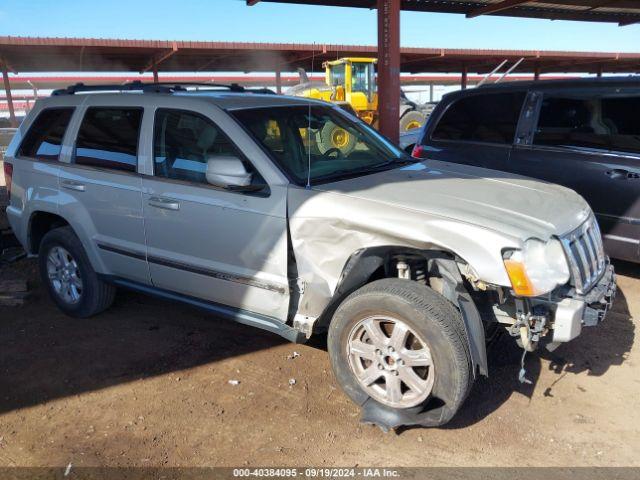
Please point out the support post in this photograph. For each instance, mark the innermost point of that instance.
(463, 78)
(155, 73)
(7, 90)
(536, 73)
(389, 68)
(278, 82)
(431, 92)
(600, 69)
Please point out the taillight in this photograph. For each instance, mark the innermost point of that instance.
(8, 174)
(418, 151)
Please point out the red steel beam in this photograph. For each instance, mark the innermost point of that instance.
(35, 54)
(159, 58)
(389, 69)
(463, 77)
(558, 67)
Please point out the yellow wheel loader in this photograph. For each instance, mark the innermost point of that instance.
(351, 83)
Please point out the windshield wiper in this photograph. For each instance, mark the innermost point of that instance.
(354, 172)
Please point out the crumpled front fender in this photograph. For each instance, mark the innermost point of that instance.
(327, 228)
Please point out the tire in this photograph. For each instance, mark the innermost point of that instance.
(332, 136)
(433, 321)
(411, 120)
(93, 294)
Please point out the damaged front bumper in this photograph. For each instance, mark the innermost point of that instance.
(574, 312)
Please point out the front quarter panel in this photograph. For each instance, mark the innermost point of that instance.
(327, 228)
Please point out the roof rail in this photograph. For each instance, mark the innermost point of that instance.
(156, 87)
(182, 86)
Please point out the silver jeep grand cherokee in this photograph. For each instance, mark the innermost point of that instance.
(235, 202)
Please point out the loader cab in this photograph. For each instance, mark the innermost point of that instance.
(353, 81)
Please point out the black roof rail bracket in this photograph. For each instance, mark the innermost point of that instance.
(156, 87)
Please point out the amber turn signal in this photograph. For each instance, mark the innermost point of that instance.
(520, 282)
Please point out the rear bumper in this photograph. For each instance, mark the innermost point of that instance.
(588, 310)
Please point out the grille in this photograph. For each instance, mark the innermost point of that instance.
(585, 253)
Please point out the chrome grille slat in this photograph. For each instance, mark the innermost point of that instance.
(593, 249)
(576, 276)
(585, 253)
(586, 270)
(600, 245)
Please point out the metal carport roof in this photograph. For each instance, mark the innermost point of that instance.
(37, 54)
(623, 12)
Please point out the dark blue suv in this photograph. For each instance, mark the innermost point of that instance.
(583, 134)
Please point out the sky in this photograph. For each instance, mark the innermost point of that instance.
(232, 20)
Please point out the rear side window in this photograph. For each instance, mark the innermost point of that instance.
(620, 115)
(488, 118)
(44, 139)
(590, 122)
(108, 138)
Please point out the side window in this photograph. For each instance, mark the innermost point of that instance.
(568, 122)
(44, 139)
(490, 118)
(590, 122)
(620, 116)
(187, 144)
(108, 137)
(337, 75)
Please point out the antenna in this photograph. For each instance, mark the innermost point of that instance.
(491, 73)
(513, 67)
(313, 57)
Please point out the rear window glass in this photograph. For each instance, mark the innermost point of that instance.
(108, 138)
(602, 123)
(488, 118)
(44, 139)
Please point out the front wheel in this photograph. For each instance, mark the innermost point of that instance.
(402, 346)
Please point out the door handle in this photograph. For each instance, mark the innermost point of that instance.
(621, 174)
(71, 185)
(166, 203)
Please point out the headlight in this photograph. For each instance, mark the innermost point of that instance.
(538, 268)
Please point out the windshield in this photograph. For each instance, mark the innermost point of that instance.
(335, 144)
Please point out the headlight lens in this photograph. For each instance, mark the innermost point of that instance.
(538, 268)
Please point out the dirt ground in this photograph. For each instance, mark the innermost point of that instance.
(147, 384)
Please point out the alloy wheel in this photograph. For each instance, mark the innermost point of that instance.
(391, 362)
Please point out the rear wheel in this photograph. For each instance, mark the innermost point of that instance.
(403, 346)
(66, 271)
(411, 121)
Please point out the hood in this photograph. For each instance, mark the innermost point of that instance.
(507, 203)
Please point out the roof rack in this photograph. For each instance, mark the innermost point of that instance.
(631, 79)
(156, 87)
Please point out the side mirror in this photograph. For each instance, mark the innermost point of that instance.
(227, 171)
